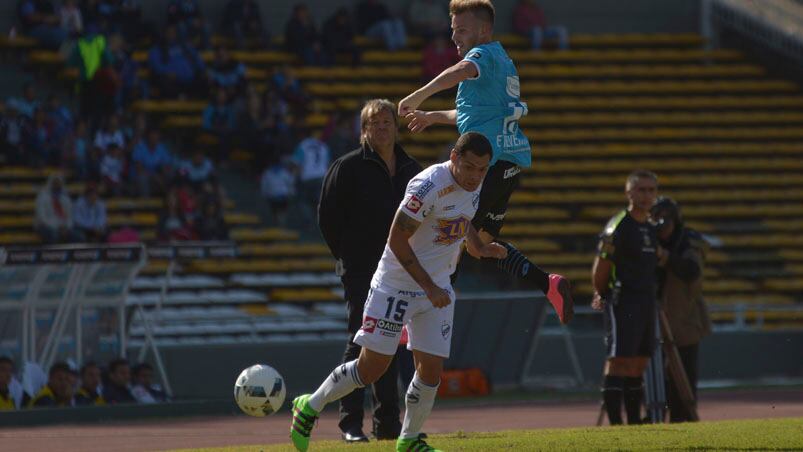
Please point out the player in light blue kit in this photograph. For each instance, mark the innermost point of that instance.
(489, 102)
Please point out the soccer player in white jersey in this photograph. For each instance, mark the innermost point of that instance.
(411, 288)
(489, 101)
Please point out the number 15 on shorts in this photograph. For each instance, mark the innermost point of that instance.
(398, 312)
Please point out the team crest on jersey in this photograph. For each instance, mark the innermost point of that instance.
(451, 230)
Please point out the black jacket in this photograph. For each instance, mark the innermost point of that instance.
(358, 202)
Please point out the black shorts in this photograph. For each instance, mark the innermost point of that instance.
(499, 183)
(630, 329)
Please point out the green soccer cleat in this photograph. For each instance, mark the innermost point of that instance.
(414, 445)
(304, 418)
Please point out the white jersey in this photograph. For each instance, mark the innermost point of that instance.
(445, 211)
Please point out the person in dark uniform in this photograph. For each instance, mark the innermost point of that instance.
(680, 294)
(58, 392)
(361, 192)
(624, 277)
(89, 392)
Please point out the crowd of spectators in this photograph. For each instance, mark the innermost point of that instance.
(90, 385)
(115, 152)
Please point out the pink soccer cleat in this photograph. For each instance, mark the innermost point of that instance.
(560, 295)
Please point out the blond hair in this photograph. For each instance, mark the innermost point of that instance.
(372, 108)
(481, 9)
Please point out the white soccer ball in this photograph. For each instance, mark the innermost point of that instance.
(259, 390)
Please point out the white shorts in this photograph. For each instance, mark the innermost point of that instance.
(429, 329)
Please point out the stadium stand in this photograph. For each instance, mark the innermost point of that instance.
(723, 134)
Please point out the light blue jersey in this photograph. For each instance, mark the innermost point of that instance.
(491, 104)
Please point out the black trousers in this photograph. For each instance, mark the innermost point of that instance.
(677, 412)
(385, 390)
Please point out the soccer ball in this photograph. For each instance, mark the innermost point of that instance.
(259, 390)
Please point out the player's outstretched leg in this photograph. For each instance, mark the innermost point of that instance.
(343, 379)
(555, 287)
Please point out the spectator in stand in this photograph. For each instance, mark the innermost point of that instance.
(212, 223)
(97, 81)
(312, 157)
(242, 20)
(338, 36)
(7, 402)
(226, 74)
(118, 389)
(429, 18)
(144, 389)
(219, 120)
(58, 392)
(438, 55)
(529, 21)
(76, 151)
(126, 233)
(301, 37)
(289, 89)
(59, 118)
(176, 67)
(40, 21)
(126, 69)
(71, 20)
(12, 128)
(374, 20)
(256, 128)
(173, 225)
(40, 147)
(101, 14)
(198, 169)
(89, 392)
(186, 16)
(54, 214)
(151, 164)
(110, 133)
(112, 170)
(27, 104)
(90, 215)
(278, 186)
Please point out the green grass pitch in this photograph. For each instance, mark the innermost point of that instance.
(745, 435)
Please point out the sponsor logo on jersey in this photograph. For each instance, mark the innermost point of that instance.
(445, 329)
(414, 204)
(388, 328)
(424, 189)
(448, 208)
(451, 230)
(475, 55)
(445, 191)
(368, 324)
(411, 293)
(512, 171)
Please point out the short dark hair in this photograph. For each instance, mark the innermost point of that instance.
(117, 363)
(638, 174)
(481, 9)
(8, 360)
(474, 142)
(59, 367)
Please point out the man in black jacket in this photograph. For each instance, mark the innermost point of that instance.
(361, 192)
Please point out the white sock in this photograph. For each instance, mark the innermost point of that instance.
(339, 383)
(418, 403)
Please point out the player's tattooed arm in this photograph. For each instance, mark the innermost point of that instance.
(401, 230)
